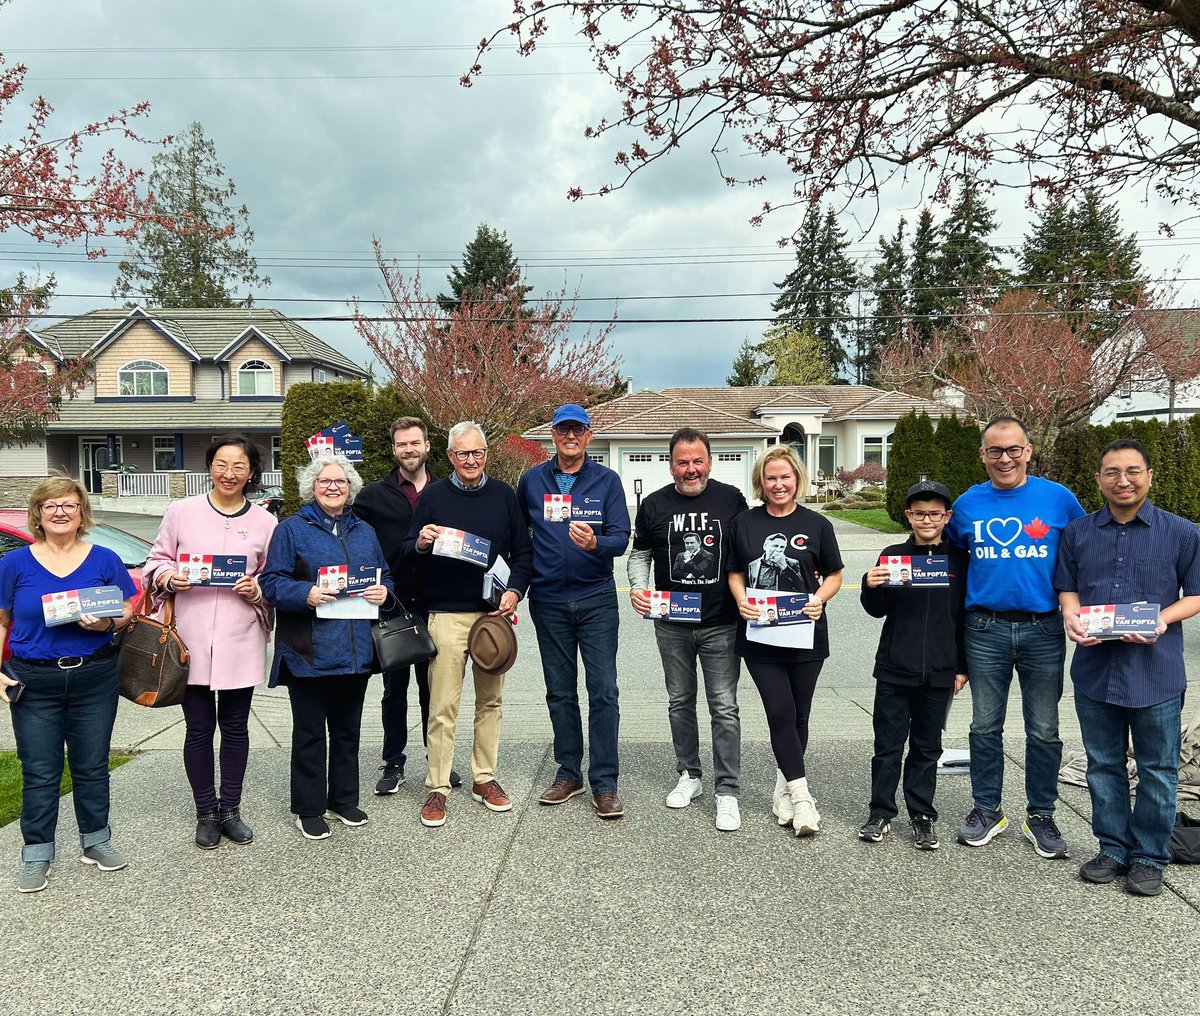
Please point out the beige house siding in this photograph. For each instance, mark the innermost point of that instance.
(256, 349)
(142, 342)
(208, 381)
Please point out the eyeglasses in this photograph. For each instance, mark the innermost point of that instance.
(1135, 474)
(332, 484)
(471, 453)
(1012, 451)
(574, 429)
(237, 469)
(53, 507)
(925, 516)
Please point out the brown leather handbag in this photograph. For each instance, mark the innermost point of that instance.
(151, 658)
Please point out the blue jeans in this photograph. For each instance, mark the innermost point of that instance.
(1037, 650)
(1141, 834)
(680, 646)
(587, 628)
(71, 708)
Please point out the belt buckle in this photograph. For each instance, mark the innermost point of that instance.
(64, 662)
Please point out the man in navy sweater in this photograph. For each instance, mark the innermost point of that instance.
(481, 506)
(574, 604)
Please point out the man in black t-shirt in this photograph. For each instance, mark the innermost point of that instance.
(683, 531)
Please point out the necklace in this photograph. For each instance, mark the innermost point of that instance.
(228, 515)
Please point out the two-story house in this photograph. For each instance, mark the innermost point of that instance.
(163, 384)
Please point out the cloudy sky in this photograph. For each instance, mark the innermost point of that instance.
(339, 122)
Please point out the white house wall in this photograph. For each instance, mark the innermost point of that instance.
(1149, 405)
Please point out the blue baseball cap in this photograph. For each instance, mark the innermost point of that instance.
(571, 413)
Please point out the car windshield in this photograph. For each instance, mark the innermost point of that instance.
(130, 549)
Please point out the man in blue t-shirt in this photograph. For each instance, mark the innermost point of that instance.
(1011, 525)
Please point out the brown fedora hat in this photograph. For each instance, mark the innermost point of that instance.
(492, 644)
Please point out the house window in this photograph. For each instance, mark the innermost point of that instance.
(873, 450)
(827, 455)
(664, 457)
(729, 456)
(256, 378)
(596, 457)
(276, 453)
(142, 378)
(164, 454)
(319, 375)
(640, 457)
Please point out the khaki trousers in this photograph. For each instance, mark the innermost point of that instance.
(449, 632)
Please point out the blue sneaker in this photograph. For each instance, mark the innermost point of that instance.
(981, 827)
(1041, 831)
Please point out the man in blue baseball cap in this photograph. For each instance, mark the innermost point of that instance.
(573, 604)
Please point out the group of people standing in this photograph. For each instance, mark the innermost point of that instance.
(1022, 558)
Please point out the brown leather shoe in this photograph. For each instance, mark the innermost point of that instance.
(491, 795)
(433, 812)
(608, 805)
(560, 791)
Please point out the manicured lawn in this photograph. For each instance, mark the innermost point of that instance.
(872, 518)
(10, 783)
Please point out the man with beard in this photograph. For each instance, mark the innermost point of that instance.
(387, 506)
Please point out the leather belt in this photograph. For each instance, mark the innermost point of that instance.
(1016, 616)
(70, 662)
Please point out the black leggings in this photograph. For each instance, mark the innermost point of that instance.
(787, 691)
(203, 711)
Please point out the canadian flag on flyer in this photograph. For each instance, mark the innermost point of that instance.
(319, 444)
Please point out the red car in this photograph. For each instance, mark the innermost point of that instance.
(132, 550)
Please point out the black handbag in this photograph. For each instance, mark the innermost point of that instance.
(401, 640)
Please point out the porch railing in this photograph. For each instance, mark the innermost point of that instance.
(143, 485)
(198, 483)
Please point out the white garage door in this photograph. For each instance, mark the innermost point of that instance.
(652, 468)
(732, 468)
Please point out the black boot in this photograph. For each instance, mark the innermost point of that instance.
(233, 827)
(208, 830)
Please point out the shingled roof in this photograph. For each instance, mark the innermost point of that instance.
(205, 332)
(649, 413)
(842, 401)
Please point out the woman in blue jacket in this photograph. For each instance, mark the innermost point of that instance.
(323, 661)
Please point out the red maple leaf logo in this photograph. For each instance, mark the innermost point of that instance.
(1037, 529)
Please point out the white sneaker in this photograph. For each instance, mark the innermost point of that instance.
(729, 817)
(807, 820)
(685, 792)
(781, 802)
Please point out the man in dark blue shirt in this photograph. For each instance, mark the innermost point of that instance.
(1130, 552)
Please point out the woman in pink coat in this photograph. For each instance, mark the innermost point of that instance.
(225, 627)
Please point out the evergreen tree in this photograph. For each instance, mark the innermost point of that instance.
(488, 266)
(201, 256)
(888, 317)
(924, 297)
(914, 451)
(747, 369)
(794, 357)
(967, 267)
(815, 295)
(959, 465)
(1081, 260)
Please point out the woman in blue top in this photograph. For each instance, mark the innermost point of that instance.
(62, 682)
(323, 661)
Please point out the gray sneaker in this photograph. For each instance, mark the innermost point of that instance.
(105, 856)
(33, 877)
(1041, 831)
(981, 827)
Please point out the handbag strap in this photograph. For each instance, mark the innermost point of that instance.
(142, 607)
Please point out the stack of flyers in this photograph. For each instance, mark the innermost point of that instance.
(779, 608)
(343, 580)
(463, 546)
(211, 569)
(917, 570)
(556, 507)
(67, 606)
(676, 606)
(335, 439)
(495, 581)
(1112, 620)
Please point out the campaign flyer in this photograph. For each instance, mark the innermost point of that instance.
(463, 546)
(67, 607)
(495, 582)
(588, 509)
(345, 580)
(556, 507)
(924, 570)
(335, 439)
(221, 570)
(779, 608)
(1112, 620)
(676, 606)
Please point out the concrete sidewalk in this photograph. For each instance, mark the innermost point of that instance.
(548, 910)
